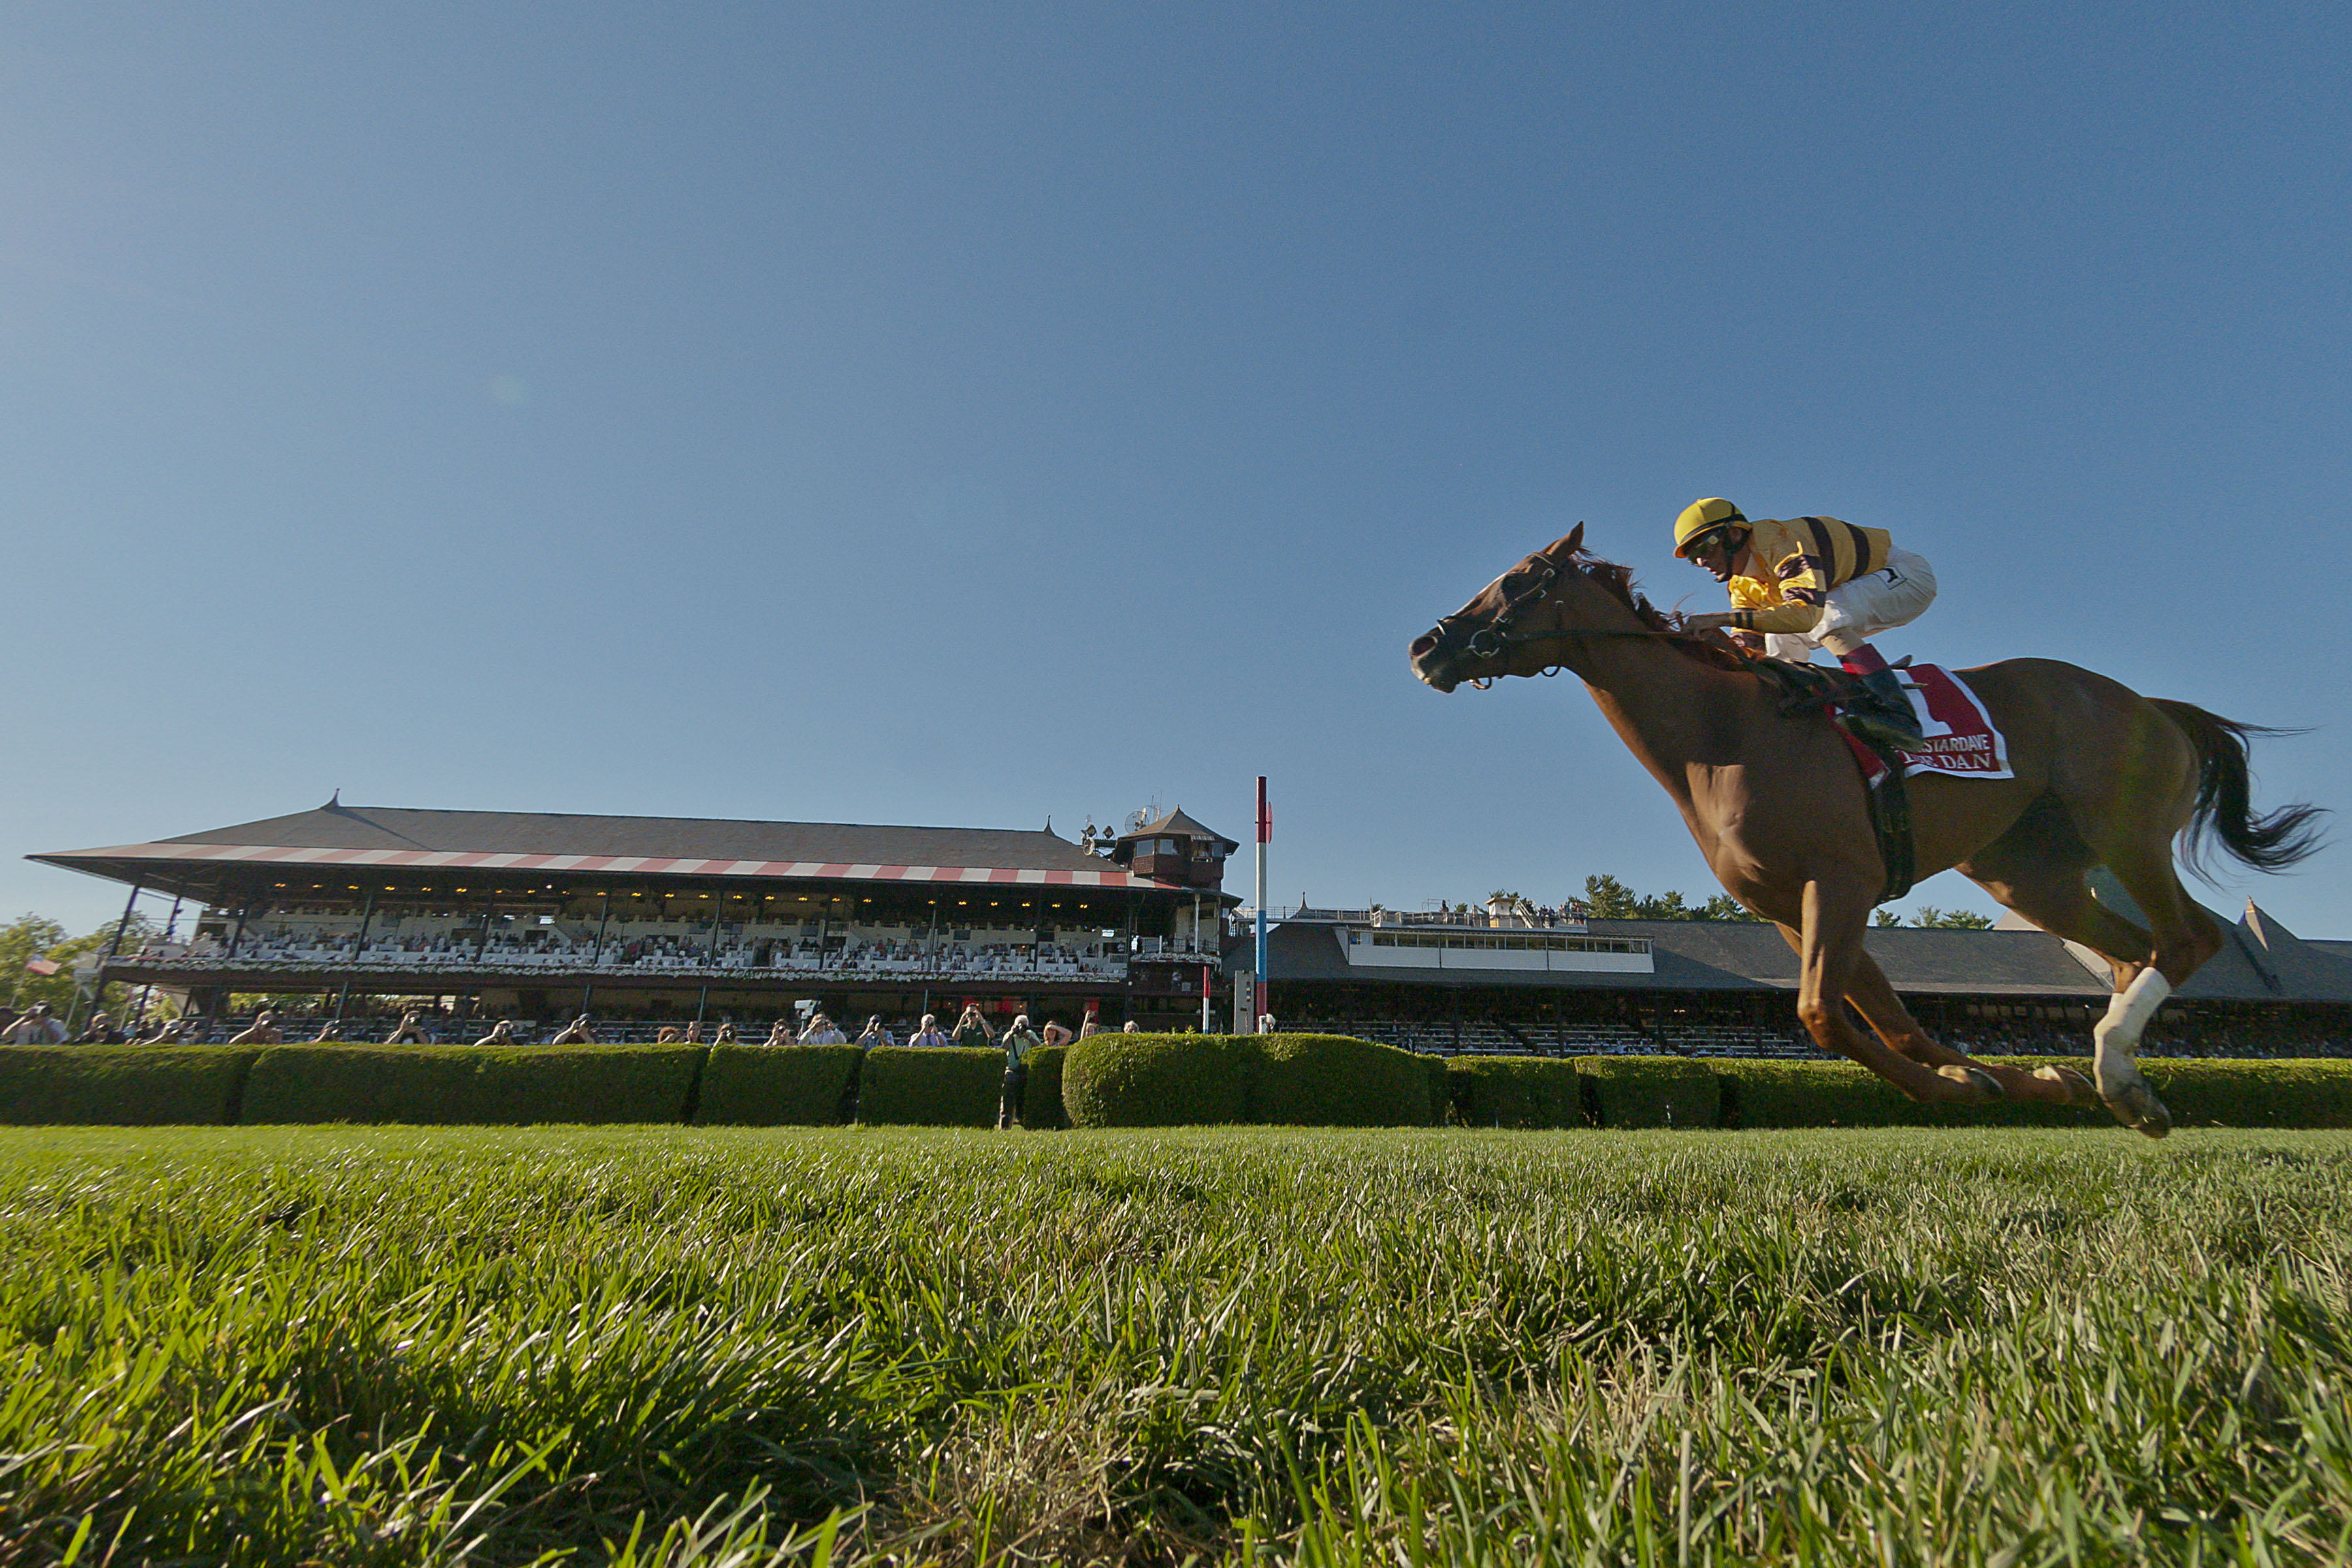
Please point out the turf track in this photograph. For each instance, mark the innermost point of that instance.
(392, 1345)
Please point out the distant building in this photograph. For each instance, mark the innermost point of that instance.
(1497, 980)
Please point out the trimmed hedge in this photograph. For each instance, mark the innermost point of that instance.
(1295, 1080)
(1336, 1081)
(121, 1086)
(1813, 1094)
(1122, 1080)
(1516, 1092)
(930, 1086)
(2224, 1093)
(1040, 1101)
(1847, 1094)
(1159, 1079)
(466, 1083)
(1651, 1091)
(776, 1086)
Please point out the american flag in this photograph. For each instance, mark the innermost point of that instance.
(43, 966)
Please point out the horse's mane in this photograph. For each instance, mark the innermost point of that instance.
(1617, 581)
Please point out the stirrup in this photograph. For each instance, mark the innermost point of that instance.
(1878, 730)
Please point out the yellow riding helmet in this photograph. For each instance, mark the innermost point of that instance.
(1701, 517)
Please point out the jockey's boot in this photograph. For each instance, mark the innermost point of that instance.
(1881, 715)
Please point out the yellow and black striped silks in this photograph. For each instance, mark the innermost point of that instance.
(1799, 561)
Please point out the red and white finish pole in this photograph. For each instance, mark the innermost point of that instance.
(1265, 837)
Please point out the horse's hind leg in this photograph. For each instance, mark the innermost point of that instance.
(2038, 869)
(1875, 1001)
(2183, 937)
(1828, 951)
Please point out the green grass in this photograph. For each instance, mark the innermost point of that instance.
(673, 1344)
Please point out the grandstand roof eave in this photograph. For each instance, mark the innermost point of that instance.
(345, 837)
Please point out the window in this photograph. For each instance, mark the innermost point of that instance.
(1508, 944)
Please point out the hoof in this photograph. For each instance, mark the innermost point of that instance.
(2135, 1104)
(1979, 1087)
(2080, 1091)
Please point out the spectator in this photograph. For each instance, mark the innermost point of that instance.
(1018, 1043)
(501, 1033)
(693, 1034)
(1130, 1027)
(779, 1032)
(726, 1035)
(821, 1031)
(576, 1032)
(668, 1034)
(1089, 1025)
(329, 1033)
(930, 1033)
(408, 1032)
(971, 1029)
(263, 1030)
(1056, 1035)
(100, 1031)
(874, 1034)
(34, 1028)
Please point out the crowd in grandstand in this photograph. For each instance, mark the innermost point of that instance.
(658, 952)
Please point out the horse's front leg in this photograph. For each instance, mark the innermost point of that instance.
(1875, 1001)
(1829, 952)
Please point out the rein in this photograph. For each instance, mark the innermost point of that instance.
(1489, 640)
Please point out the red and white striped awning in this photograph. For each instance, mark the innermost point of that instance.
(272, 854)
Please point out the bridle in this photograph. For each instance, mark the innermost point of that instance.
(1490, 638)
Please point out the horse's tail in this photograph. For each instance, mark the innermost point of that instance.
(2224, 807)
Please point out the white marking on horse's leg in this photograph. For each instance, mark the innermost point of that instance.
(2116, 1038)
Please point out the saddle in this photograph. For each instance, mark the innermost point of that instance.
(1809, 690)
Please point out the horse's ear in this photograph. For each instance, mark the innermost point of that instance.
(1562, 549)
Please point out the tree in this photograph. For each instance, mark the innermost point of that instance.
(22, 940)
(31, 937)
(1608, 899)
(1936, 919)
(1883, 918)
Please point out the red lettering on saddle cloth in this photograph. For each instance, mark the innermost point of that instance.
(1961, 739)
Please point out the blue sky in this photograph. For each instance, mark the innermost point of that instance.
(915, 415)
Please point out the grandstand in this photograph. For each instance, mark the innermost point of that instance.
(646, 922)
(538, 916)
(1520, 981)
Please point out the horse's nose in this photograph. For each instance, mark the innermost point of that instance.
(1424, 645)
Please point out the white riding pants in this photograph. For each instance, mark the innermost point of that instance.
(1857, 611)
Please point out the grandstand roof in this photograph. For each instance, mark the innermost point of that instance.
(393, 836)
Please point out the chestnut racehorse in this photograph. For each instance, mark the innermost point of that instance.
(2103, 777)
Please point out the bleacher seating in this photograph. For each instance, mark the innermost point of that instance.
(633, 949)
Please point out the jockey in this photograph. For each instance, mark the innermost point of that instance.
(1815, 583)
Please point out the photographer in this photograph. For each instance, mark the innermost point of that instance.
(1018, 1043)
